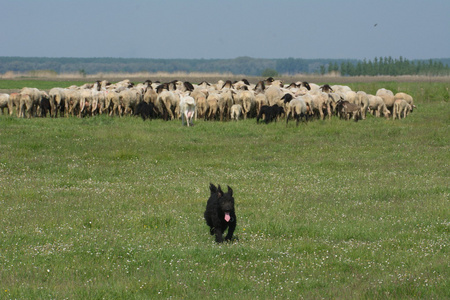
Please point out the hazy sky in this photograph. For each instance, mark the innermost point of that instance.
(414, 29)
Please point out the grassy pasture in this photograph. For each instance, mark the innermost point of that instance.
(113, 207)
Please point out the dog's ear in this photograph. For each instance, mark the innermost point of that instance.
(230, 191)
(219, 191)
(212, 188)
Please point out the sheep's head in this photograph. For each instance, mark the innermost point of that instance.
(292, 85)
(277, 83)
(260, 85)
(326, 88)
(188, 86)
(287, 98)
(306, 85)
(228, 84)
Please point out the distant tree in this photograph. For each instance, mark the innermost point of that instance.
(344, 68)
(82, 72)
(322, 70)
(375, 66)
(269, 73)
(333, 67)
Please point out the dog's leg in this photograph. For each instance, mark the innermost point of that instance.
(231, 229)
(219, 237)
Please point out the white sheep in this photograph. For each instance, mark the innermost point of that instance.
(72, 104)
(273, 94)
(377, 106)
(14, 101)
(321, 102)
(202, 105)
(260, 100)
(85, 101)
(129, 99)
(309, 103)
(408, 98)
(401, 109)
(226, 101)
(170, 102)
(387, 96)
(236, 112)
(150, 95)
(363, 100)
(296, 108)
(314, 88)
(351, 97)
(4, 100)
(247, 100)
(334, 98)
(112, 102)
(57, 99)
(32, 102)
(213, 105)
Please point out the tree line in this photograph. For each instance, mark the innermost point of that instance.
(390, 66)
(238, 66)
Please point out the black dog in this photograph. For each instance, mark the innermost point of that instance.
(219, 213)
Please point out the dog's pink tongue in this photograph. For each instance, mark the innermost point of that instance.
(227, 217)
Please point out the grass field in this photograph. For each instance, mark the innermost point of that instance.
(112, 208)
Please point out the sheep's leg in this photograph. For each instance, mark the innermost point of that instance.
(171, 114)
(29, 111)
(322, 116)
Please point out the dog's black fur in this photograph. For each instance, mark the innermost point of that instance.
(270, 113)
(220, 205)
(145, 110)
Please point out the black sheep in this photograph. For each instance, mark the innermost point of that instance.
(220, 214)
(145, 110)
(45, 106)
(270, 113)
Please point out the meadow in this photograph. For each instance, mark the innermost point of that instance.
(112, 208)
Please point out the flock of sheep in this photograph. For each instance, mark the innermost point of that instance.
(223, 100)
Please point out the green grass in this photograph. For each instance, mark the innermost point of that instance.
(40, 84)
(113, 208)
